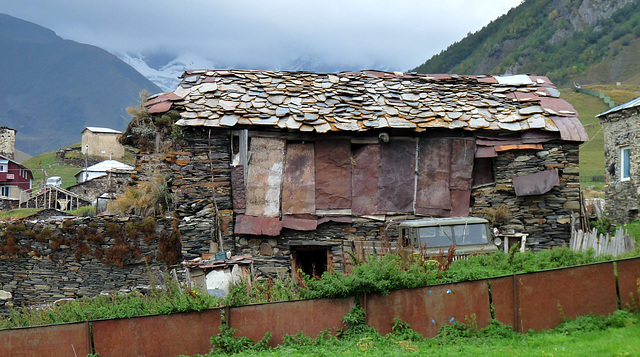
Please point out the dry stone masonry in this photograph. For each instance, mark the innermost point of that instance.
(515, 126)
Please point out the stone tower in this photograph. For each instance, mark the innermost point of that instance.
(7, 142)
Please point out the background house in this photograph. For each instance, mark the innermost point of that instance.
(102, 142)
(102, 169)
(309, 166)
(15, 179)
(622, 152)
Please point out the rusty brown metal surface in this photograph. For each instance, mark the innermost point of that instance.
(433, 196)
(460, 200)
(270, 226)
(308, 316)
(536, 184)
(366, 170)
(428, 309)
(298, 180)
(462, 155)
(397, 176)
(160, 335)
(538, 136)
(237, 189)
(628, 275)
(486, 152)
(569, 292)
(570, 128)
(333, 174)
(51, 341)
(264, 177)
(300, 223)
(503, 299)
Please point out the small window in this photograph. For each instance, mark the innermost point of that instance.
(625, 160)
(4, 191)
(4, 168)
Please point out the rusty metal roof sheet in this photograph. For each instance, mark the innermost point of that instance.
(363, 100)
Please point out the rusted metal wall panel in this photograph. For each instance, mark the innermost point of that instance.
(628, 283)
(571, 292)
(434, 162)
(397, 175)
(264, 176)
(428, 309)
(462, 156)
(160, 335)
(270, 226)
(503, 299)
(237, 189)
(333, 174)
(308, 316)
(536, 184)
(51, 341)
(298, 181)
(364, 178)
(460, 201)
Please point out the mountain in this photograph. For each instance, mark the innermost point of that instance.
(51, 88)
(164, 69)
(586, 41)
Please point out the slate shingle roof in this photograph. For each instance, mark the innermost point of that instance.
(367, 100)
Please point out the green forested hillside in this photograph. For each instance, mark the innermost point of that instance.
(589, 41)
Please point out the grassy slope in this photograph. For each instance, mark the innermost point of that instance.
(591, 152)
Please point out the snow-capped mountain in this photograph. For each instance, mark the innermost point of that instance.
(166, 75)
(164, 69)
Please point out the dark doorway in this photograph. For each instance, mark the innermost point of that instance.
(310, 260)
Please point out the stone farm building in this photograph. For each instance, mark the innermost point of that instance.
(309, 166)
(622, 158)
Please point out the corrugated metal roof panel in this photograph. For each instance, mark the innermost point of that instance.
(628, 105)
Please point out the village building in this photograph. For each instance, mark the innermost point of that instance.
(302, 170)
(102, 142)
(7, 142)
(102, 169)
(622, 161)
(15, 180)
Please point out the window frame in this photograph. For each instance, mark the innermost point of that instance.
(625, 165)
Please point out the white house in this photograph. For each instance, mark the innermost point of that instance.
(101, 169)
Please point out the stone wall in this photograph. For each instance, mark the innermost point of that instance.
(192, 171)
(113, 182)
(622, 129)
(74, 157)
(43, 261)
(546, 218)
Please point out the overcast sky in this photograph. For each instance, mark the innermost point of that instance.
(398, 34)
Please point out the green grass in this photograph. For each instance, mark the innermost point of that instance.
(614, 335)
(592, 172)
(592, 151)
(17, 214)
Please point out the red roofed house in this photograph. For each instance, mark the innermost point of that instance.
(14, 178)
